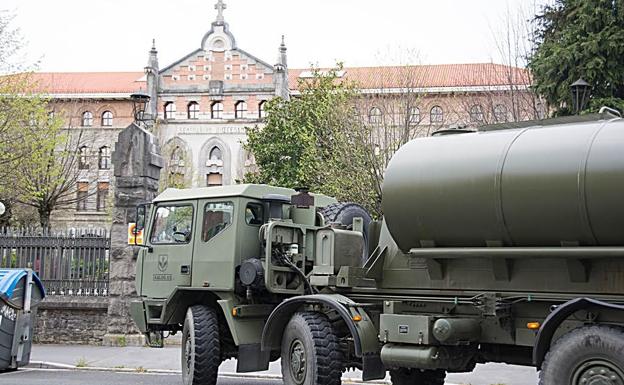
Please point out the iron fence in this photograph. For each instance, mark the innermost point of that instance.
(68, 263)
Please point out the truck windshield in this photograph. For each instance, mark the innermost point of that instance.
(172, 224)
(217, 217)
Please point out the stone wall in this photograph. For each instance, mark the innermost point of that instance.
(71, 320)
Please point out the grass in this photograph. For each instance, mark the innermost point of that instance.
(140, 369)
(82, 363)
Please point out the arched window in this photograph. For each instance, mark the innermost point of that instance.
(216, 110)
(193, 110)
(375, 115)
(176, 168)
(215, 154)
(104, 158)
(436, 115)
(500, 113)
(176, 162)
(476, 113)
(261, 109)
(240, 110)
(170, 110)
(107, 119)
(83, 158)
(414, 115)
(87, 119)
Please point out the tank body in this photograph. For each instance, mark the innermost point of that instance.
(560, 185)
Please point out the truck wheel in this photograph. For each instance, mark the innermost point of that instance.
(588, 355)
(201, 347)
(343, 213)
(406, 376)
(310, 351)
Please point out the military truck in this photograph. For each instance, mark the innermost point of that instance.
(502, 245)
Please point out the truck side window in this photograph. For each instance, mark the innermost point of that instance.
(217, 217)
(172, 224)
(254, 214)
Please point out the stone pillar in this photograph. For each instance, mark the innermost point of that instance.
(137, 163)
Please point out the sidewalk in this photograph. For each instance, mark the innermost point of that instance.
(168, 360)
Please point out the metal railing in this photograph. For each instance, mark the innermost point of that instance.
(72, 263)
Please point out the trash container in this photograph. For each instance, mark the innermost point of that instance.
(20, 293)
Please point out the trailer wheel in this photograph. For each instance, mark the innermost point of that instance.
(311, 353)
(406, 376)
(588, 355)
(201, 346)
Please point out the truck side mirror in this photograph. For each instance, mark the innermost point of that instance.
(140, 220)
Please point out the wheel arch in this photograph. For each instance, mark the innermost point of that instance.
(364, 333)
(272, 332)
(556, 317)
(181, 299)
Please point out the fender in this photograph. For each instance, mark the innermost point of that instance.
(364, 333)
(554, 319)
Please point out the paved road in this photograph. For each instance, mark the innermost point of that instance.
(93, 377)
(168, 358)
(70, 377)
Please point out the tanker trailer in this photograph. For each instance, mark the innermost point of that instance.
(505, 245)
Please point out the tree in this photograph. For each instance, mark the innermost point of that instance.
(335, 139)
(52, 177)
(307, 140)
(580, 39)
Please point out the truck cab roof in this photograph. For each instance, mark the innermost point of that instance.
(254, 191)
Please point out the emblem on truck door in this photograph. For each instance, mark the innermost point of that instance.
(163, 262)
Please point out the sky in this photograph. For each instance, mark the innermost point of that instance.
(115, 35)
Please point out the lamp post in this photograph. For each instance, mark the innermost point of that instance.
(581, 91)
(139, 107)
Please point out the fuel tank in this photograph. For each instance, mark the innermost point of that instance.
(557, 185)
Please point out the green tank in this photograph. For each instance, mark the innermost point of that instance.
(533, 186)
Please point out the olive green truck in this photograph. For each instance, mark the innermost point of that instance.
(502, 245)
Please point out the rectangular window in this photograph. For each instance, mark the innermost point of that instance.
(254, 214)
(82, 195)
(102, 196)
(172, 224)
(217, 217)
(214, 179)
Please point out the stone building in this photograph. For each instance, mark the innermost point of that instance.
(203, 102)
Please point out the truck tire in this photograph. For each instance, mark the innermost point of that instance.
(343, 213)
(310, 352)
(587, 355)
(406, 376)
(201, 346)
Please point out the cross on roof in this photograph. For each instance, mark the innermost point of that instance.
(220, 6)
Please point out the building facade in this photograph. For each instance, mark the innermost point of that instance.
(202, 104)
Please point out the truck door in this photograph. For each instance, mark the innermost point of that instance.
(215, 244)
(171, 237)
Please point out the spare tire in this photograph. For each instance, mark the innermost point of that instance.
(343, 213)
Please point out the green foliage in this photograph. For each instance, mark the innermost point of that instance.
(580, 39)
(307, 141)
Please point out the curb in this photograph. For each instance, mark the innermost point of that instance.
(140, 370)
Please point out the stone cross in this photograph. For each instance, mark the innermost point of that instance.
(220, 6)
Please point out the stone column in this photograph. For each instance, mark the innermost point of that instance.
(137, 163)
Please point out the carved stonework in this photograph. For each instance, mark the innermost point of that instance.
(137, 164)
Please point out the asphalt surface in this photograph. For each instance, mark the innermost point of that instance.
(78, 377)
(168, 359)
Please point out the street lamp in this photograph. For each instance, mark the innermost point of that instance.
(139, 105)
(580, 94)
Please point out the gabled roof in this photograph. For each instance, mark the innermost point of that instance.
(88, 82)
(428, 76)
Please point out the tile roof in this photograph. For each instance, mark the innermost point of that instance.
(429, 76)
(88, 82)
(418, 76)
